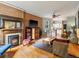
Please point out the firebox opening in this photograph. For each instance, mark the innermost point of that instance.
(13, 39)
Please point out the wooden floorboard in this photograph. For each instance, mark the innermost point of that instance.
(40, 50)
(33, 52)
(73, 49)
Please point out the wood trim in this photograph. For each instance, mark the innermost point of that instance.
(10, 17)
(73, 56)
(61, 40)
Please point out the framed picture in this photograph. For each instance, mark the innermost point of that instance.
(9, 24)
(1, 23)
(18, 24)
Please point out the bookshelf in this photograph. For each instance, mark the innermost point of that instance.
(32, 33)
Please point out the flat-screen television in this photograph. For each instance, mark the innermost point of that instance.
(33, 23)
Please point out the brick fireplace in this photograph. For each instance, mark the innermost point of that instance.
(13, 38)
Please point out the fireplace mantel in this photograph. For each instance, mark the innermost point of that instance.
(7, 37)
(12, 29)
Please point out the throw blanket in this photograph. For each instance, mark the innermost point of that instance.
(4, 48)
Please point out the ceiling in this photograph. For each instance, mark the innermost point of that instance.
(46, 8)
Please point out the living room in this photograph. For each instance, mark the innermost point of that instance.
(39, 29)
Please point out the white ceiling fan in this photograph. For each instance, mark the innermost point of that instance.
(55, 15)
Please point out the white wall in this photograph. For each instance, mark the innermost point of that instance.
(47, 22)
(70, 22)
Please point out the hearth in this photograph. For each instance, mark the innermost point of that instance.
(13, 39)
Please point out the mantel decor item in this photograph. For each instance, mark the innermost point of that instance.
(18, 24)
(1, 23)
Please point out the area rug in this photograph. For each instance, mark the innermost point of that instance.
(44, 46)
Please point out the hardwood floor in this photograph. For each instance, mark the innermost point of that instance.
(33, 52)
(73, 49)
(40, 50)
